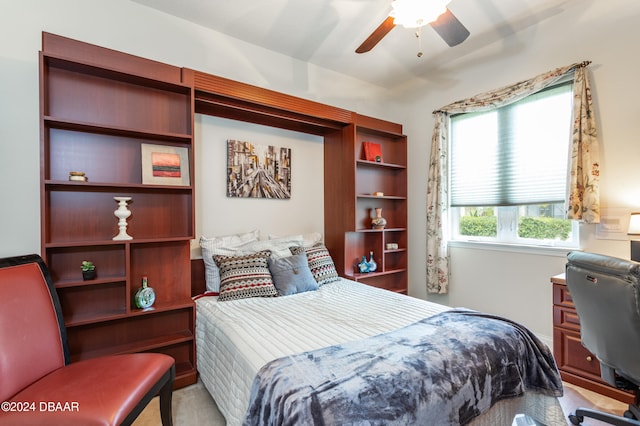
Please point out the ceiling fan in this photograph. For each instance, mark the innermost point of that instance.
(415, 14)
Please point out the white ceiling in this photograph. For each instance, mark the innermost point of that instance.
(327, 32)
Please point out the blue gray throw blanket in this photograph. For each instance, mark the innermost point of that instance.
(444, 370)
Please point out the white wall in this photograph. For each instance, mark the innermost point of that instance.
(512, 283)
(218, 215)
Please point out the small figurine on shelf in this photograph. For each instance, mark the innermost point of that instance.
(77, 176)
(378, 222)
(372, 263)
(145, 296)
(122, 213)
(363, 266)
(372, 151)
(88, 270)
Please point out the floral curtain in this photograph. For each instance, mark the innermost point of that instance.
(583, 192)
(437, 208)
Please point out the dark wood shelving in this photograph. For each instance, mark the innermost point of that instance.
(222, 97)
(86, 319)
(183, 369)
(97, 281)
(378, 164)
(382, 197)
(148, 345)
(352, 182)
(359, 276)
(187, 303)
(365, 230)
(110, 185)
(90, 243)
(155, 77)
(98, 107)
(393, 279)
(87, 243)
(398, 250)
(86, 127)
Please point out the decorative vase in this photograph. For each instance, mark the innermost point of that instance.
(122, 213)
(363, 266)
(372, 263)
(378, 222)
(145, 296)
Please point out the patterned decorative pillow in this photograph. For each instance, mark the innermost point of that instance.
(228, 245)
(292, 275)
(320, 263)
(245, 276)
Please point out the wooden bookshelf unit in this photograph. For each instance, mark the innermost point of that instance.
(352, 181)
(98, 107)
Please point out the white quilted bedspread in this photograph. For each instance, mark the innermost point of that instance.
(236, 338)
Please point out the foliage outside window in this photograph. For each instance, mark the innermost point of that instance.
(508, 172)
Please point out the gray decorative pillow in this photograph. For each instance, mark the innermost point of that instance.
(320, 263)
(245, 276)
(292, 275)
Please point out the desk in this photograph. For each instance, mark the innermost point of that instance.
(577, 365)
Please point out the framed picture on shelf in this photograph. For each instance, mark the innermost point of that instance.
(372, 152)
(165, 165)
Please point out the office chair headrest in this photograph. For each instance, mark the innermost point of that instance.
(603, 263)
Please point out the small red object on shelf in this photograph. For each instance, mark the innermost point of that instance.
(372, 152)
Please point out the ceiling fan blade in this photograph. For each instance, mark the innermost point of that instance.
(376, 35)
(450, 29)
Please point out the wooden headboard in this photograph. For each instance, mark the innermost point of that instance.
(198, 283)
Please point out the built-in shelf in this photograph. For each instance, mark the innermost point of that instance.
(98, 107)
(80, 126)
(349, 230)
(379, 164)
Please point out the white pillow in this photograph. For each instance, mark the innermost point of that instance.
(227, 245)
(279, 247)
(308, 240)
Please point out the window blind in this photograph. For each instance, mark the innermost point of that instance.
(513, 155)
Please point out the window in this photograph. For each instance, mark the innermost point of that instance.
(509, 171)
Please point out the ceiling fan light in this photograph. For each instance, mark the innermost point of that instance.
(416, 13)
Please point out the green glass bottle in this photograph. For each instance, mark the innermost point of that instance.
(145, 296)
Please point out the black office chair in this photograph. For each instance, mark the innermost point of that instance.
(606, 294)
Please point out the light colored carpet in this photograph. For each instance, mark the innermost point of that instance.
(193, 405)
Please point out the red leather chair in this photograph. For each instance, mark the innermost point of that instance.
(39, 385)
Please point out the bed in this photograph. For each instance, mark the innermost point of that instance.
(241, 343)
